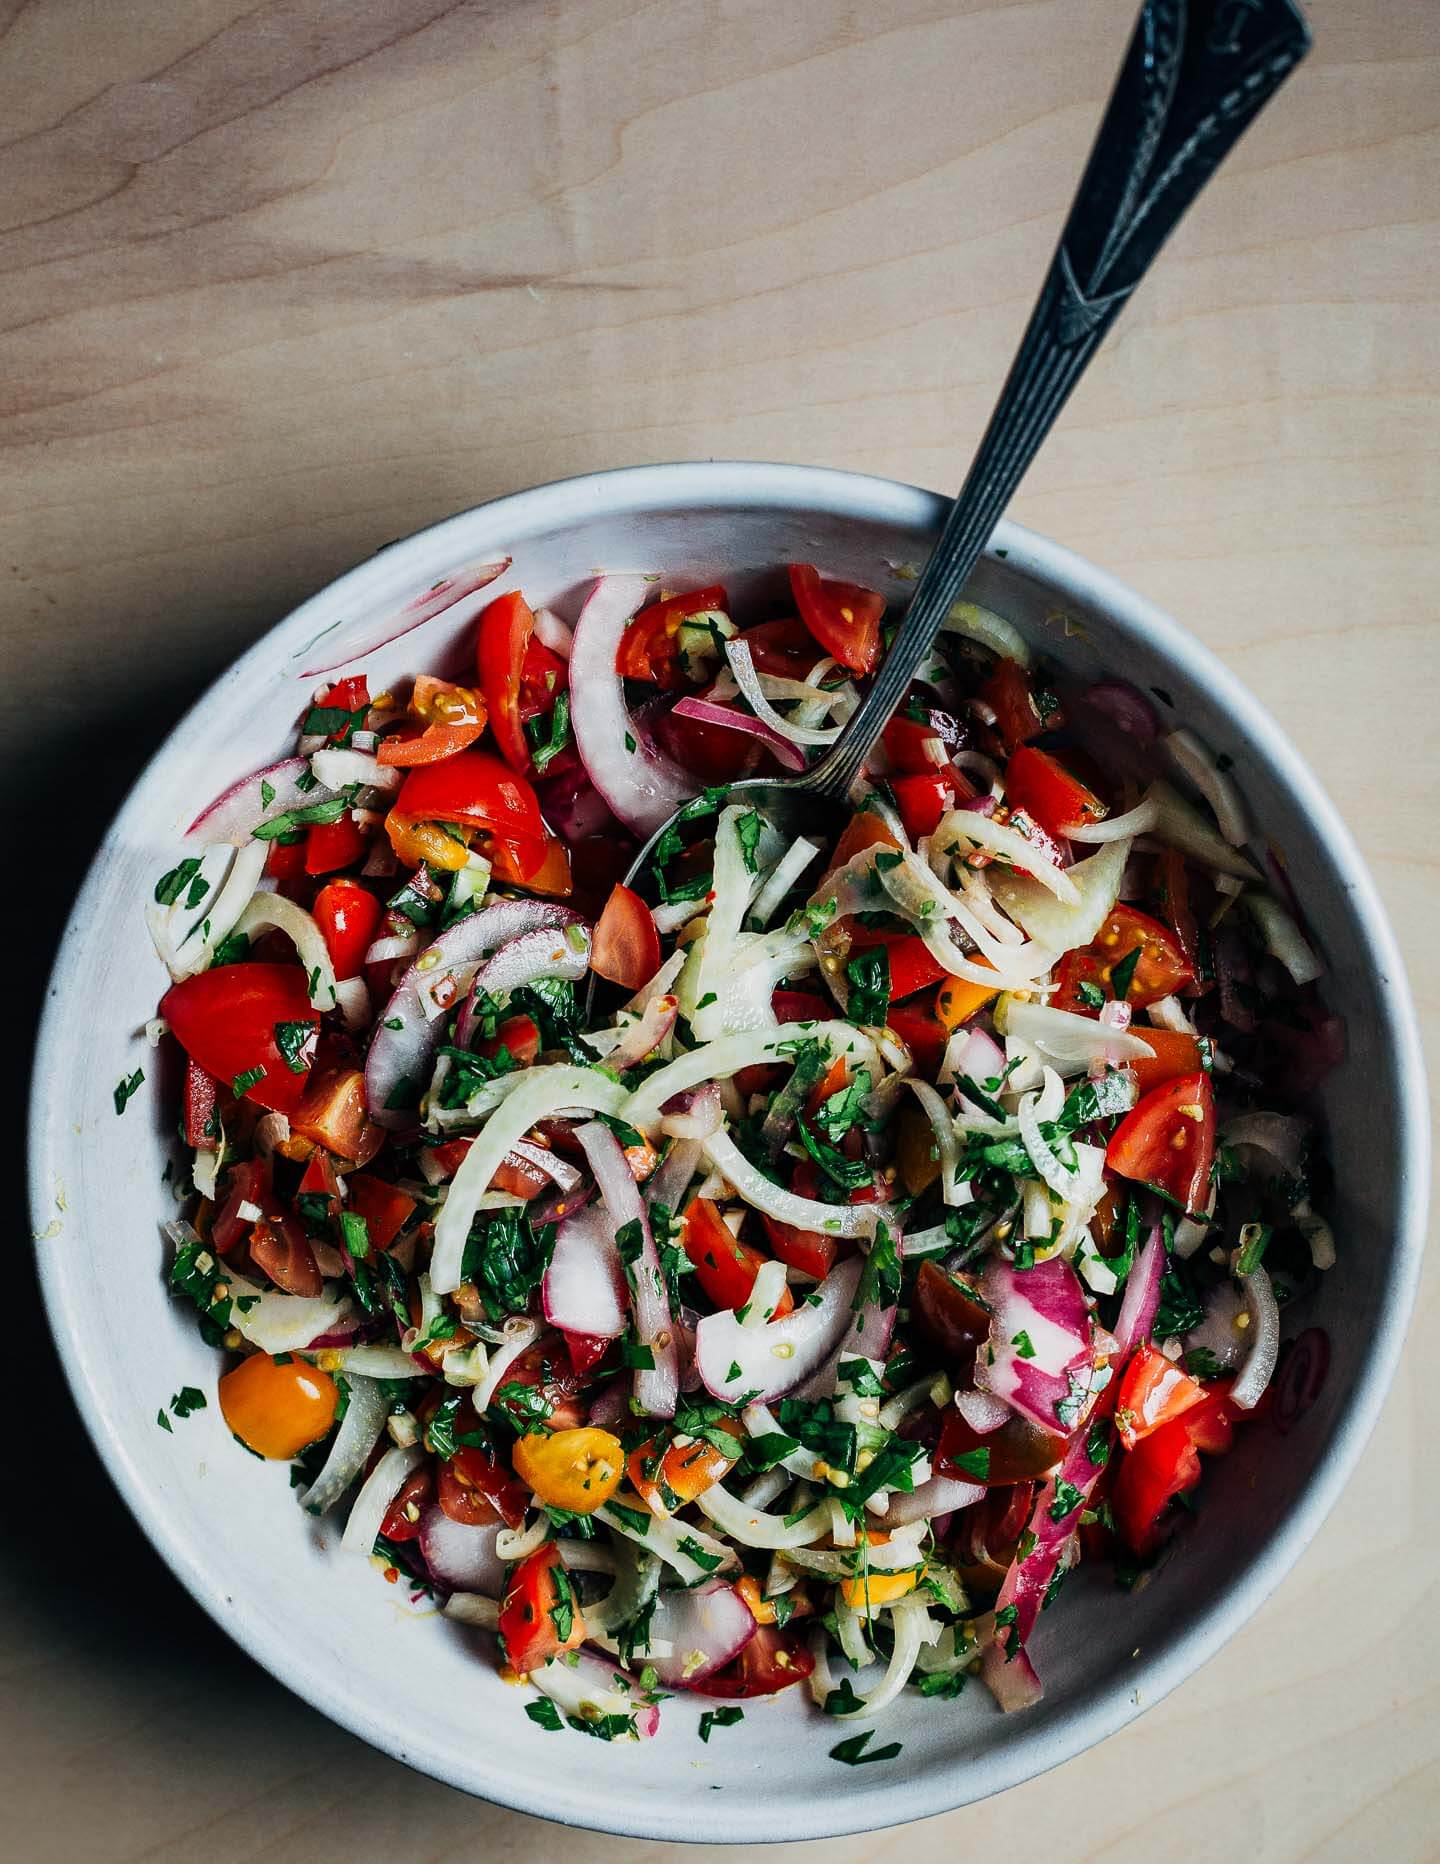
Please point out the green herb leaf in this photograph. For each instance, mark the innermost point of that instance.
(853, 1754)
(292, 1039)
(545, 1715)
(124, 1089)
(242, 1083)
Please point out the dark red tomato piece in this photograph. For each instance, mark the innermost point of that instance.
(1153, 1391)
(348, 916)
(464, 1502)
(1016, 1452)
(1010, 695)
(225, 1020)
(1211, 1423)
(476, 790)
(245, 1183)
(484, 1479)
(1160, 1467)
(543, 677)
(385, 1208)
(626, 947)
(1168, 1141)
(806, 1251)
(332, 845)
(911, 965)
(1159, 970)
(319, 1178)
(202, 1128)
(279, 1247)
(649, 648)
(540, 1614)
(1042, 786)
(505, 630)
(285, 861)
(951, 1318)
(924, 800)
(724, 1266)
(800, 1006)
(843, 617)
(784, 648)
(545, 1368)
(402, 1517)
(922, 1031)
(586, 1350)
(771, 1661)
(713, 753)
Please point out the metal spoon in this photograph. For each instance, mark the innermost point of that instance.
(1194, 77)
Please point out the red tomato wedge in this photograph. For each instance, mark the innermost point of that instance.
(1168, 1141)
(1160, 1467)
(771, 1661)
(911, 965)
(385, 1208)
(800, 1006)
(1175, 1053)
(1042, 786)
(348, 916)
(402, 1517)
(923, 800)
(225, 1020)
(543, 677)
(1159, 971)
(540, 1614)
(918, 1026)
(1011, 697)
(843, 617)
(724, 1266)
(505, 630)
(332, 845)
(1153, 1391)
(478, 791)
(805, 1250)
(546, 870)
(649, 648)
(448, 719)
(626, 946)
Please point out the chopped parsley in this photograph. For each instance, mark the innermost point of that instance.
(720, 1718)
(868, 977)
(242, 1083)
(853, 1754)
(545, 1715)
(126, 1088)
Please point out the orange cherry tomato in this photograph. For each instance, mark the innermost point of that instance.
(574, 1469)
(276, 1407)
(449, 718)
(1175, 1053)
(669, 1478)
(958, 1000)
(332, 1113)
(514, 862)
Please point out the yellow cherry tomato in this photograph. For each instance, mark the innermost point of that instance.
(867, 1591)
(959, 999)
(578, 1470)
(415, 841)
(277, 1408)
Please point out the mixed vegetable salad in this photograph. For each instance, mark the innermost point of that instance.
(787, 1270)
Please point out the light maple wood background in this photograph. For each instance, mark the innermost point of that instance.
(280, 282)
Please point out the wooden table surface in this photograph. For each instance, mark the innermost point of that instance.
(281, 281)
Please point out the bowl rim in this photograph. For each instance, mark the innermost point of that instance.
(1035, 1747)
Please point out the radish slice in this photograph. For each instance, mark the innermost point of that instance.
(405, 1039)
(459, 1557)
(1040, 1349)
(656, 1386)
(584, 1286)
(770, 1360)
(237, 812)
(549, 952)
(702, 1630)
(588, 1687)
(710, 712)
(342, 649)
(642, 786)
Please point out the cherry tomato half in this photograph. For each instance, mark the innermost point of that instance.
(771, 1661)
(1153, 1391)
(649, 648)
(1168, 1141)
(277, 1407)
(1159, 970)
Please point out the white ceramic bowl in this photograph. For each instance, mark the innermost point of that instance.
(324, 1623)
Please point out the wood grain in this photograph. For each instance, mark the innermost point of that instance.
(281, 281)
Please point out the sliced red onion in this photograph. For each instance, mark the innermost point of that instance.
(237, 812)
(1301, 1379)
(584, 1287)
(1128, 709)
(768, 1361)
(1142, 1295)
(552, 632)
(644, 1034)
(459, 1557)
(655, 1386)
(347, 645)
(711, 712)
(1014, 1685)
(981, 1412)
(642, 786)
(704, 1630)
(405, 1039)
(559, 1204)
(695, 1113)
(940, 1495)
(977, 1056)
(588, 1687)
(1040, 1345)
(554, 952)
